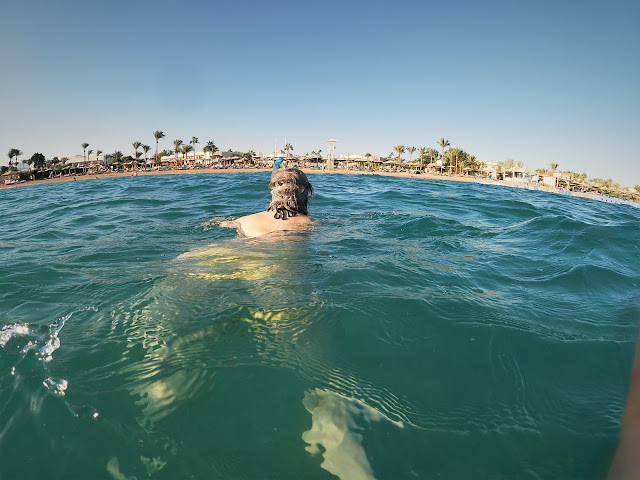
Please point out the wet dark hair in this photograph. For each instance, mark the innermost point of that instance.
(290, 193)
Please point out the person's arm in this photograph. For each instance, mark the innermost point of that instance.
(626, 462)
(229, 224)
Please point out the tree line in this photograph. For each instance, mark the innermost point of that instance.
(39, 162)
(455, 159)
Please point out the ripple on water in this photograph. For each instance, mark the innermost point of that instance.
(439, 329)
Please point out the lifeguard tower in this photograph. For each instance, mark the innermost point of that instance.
(332, 153)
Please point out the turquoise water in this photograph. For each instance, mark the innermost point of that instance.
(423, 329)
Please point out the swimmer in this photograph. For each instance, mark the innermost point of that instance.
(290, 194)
(279, 163)
(626, 463)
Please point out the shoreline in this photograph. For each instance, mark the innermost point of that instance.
(424, 176)
(308, 171)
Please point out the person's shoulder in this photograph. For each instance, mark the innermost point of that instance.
(254, 225)
(300, 218)
(253, 216)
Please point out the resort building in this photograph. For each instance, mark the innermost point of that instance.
(204, 159)
(497, 171)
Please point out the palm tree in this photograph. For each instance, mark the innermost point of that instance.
(443, 142)
(18, 153)
(249, 155)
(289, 148)
(186, 149)
(84, 151)
(211, 148)
(472, 162)
(158, 134)
(176, 147)
(399, 149)
(62, 161)
(411, 150)
(456, 153)
(117, 155)
(89, 152)
(433, 154)
(145, 149)
(136, 146)
(553, 166)
(13, 152)
(448, 157)
(54, 164)
(194, 141)
(463, 160)
(98, 152)
(422, 151)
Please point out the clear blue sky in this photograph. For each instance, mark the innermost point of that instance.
(540, 82)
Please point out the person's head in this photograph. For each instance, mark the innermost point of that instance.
(290, 192)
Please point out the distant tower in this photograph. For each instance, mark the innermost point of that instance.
(332, 151)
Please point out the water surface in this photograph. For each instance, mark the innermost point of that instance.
(423, 329)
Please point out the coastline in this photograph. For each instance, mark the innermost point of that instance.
(311, 171)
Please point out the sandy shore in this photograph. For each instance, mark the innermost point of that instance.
(311, 171)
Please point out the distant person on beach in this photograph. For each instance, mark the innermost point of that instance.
(290, 194)
(277, 165)
(626, 463)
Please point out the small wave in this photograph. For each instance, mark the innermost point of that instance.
(56, 386)
(217, 221)
(22, 339)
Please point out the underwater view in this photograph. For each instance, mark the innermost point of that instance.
(420, 329)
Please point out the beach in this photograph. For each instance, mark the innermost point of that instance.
(311, 171)
(143, 173)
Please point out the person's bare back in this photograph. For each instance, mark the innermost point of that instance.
(263, 223)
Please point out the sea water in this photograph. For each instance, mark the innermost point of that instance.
(421, 329)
